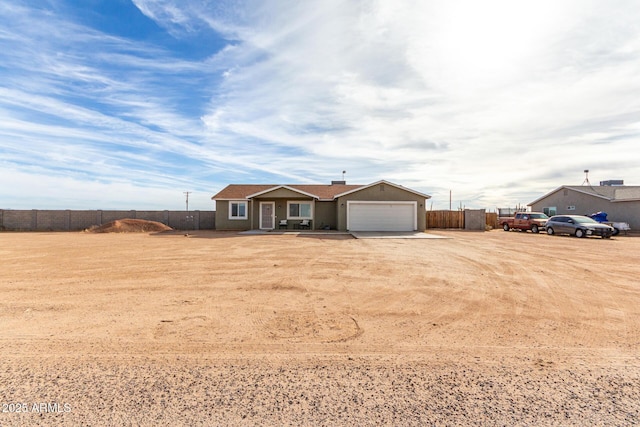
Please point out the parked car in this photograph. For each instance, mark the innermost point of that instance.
(534, 221)
(577, 225)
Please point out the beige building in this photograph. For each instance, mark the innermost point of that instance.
(621, 203)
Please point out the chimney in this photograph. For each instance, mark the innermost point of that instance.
(338, 182)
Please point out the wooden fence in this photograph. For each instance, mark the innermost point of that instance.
(455, 219)
(445, 219)
(492, 220)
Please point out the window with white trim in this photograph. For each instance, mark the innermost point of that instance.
(299, 210)
(238, 210)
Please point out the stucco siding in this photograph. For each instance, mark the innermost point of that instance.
(222, 218)
(328, 207)
(586, 204)
(381, 192)
(325, 214)
(280, 205)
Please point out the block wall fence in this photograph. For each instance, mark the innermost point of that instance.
(75, 220)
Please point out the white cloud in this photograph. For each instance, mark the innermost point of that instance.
(490, 97)
(499, 101)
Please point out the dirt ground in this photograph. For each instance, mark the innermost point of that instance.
(217, 328)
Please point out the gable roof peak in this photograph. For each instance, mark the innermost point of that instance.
(382, 181)
(317, 191)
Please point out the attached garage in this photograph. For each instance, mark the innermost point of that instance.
(379, 206)
(381, 216)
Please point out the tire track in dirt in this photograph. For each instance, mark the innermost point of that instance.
(293, 310)
(191, 328)
(331, 325)
(508, 306)
(568, 304)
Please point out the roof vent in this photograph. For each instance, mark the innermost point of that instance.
(612, 182)
(338, 182)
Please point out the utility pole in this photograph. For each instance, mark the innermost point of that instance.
(188, 218)
(186, 193)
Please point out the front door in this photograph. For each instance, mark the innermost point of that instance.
(267, 212)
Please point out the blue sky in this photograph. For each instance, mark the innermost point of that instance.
(120, 104)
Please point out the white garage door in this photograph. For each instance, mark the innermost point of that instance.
(381, 216)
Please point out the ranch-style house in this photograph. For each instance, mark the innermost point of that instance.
(380, 206)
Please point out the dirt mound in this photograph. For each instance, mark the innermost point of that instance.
(130, 226)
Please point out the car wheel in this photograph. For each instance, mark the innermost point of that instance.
(580, 232)
(550, 231)
(615, 232)
(505, 227)
(534, 229)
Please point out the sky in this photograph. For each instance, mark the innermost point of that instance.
(128, 104)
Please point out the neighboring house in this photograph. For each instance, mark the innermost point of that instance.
(621, 203)
(381, 206)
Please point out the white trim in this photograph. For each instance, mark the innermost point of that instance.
(364, 187)
(278, 187)
(568, 187)
(246, 210)
(624, 200)
(299, 202)
(273, 216)
(382, 202)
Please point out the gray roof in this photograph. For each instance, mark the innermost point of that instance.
(627, 194)
(623, 193)
(606, 191)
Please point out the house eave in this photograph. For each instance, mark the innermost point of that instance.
(382, 181)
(624, 200)
(569, 188)
(278, 187)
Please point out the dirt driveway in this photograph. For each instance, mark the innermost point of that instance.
(218, 329)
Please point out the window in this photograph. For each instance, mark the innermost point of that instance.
(550, 211)
(538, 216)
(237, 210)
(299, 210)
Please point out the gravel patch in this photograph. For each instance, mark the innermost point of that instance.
(183, 392)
